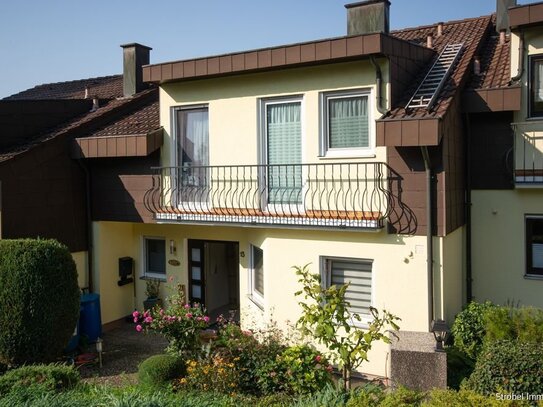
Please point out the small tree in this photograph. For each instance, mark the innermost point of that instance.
(328, 318)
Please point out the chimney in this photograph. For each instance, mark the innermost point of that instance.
(367, 17)
(502, 37)
(134, 57)
(439, 29)
(429, 41)
(502, 16)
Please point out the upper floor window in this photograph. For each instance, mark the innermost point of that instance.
(345, 123)
(536, 86)
(534, 246)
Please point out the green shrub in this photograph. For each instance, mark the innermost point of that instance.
(159, 370)
(330, 396)
(211, 374)
(369, 395)
(39, 300)
(459, 367)
(466, 398)
(49, 377)
(402, 397)
(468, 328)
(524, 324)
(508, 367)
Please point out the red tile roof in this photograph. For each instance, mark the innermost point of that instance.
(495, 65)
(105, 87)
(471, 33)
(140, 121)
(111, 111)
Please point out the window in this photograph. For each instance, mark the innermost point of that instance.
(534, 246)
(154, 257)
(536, 86)
(256, 284)
(345, 127)
(357, 272)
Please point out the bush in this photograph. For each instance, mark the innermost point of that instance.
(369, 395)
(39, 300)
(508, 367)
(298, 370)
(469, 328)
(330, 396)
(466, 398)
(506, 323)
(459, 367)
(248, 355)
(48, 377)
(402, 397)
(159, 370)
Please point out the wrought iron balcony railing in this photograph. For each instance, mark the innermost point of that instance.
(528, 153)
(345, 195)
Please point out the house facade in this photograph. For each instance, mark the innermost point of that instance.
(358, 155)
(507, 200)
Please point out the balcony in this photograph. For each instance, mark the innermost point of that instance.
(528, 153)
(346, 195)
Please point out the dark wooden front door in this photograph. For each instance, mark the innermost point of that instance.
(196, 271)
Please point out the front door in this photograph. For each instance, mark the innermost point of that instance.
(196, 271)
(283, 128)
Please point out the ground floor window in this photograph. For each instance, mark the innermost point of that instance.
(154, 262)
(534, 246)
(357, 272)
(256, 284)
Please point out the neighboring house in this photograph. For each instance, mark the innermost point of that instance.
(506, 167)
(380, 158)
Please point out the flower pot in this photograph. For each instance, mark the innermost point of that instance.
(150, 303)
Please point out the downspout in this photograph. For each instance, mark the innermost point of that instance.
(520, 71)
(429, 228)
(469, 275)
(90, 237)
(379, 82)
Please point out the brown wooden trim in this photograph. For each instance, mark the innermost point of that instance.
(529, 14)
(528, 173)
(139, 145)
(302, 54)
(492, 100)
(408, 132)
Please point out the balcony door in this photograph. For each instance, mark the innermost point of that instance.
(283, 143)
(193, 154)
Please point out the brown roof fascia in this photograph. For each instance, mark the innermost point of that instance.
(409, 132)
(133, 145)
(340, 49)
(526, 15)
(492, 100)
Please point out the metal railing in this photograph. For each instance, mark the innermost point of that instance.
(339, 195)
(528, 154)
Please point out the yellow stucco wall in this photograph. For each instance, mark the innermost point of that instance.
(450, 275)
(399, 269)
(80, 259)
(498, 246)
(112, 240)
(234, 101)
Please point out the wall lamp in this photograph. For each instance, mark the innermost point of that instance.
(440, 329)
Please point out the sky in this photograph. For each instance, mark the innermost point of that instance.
(59, 40)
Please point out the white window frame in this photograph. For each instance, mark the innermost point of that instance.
(326, 278)
(263, 148)
(256, 297)
(325, 151)
(145, 274)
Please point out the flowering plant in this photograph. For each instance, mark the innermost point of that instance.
(180, 322)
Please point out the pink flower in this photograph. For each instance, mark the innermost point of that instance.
(136, 320)
(206, 319)
(187, 306)
(199, 318)
(318, 358)
(139, 328)
(170, 279)
(161, 312)
(135, 314)
(146, 314)
(189, 315)
(329, 368)
(148, 320)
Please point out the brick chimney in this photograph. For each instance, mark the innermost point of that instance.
(134, 57)
(366, 17)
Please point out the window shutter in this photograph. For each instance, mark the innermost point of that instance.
(358, 274)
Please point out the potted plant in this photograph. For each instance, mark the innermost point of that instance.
(152, 290)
